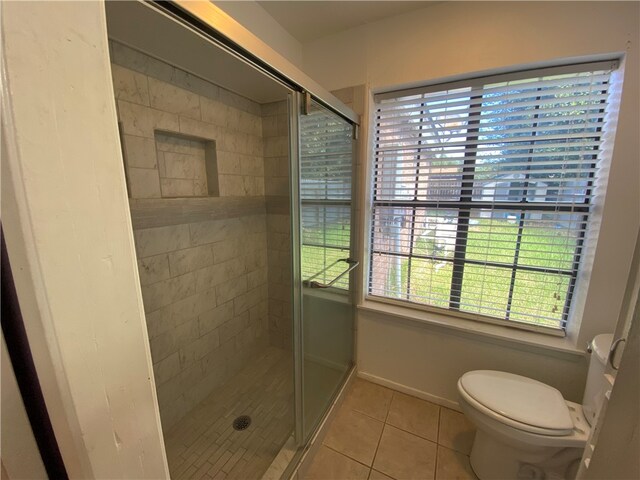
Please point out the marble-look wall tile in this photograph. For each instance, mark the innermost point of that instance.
(277, 186)
(129, 85)
(212, 310)
(153, 269)
(275, 128)
(199, 348)
(209, 277)
(166, 292)
(207, 284)
(276, 146)
(167, 368)
(203, 130)
(176, 187)
(212, 319)
(143, 183)
(242, 103)
(274, 108)
(152, 241)
(182, 166)
(132, 59)
(185, 166)
(232, 124)
(231, 289)
(190, 259)
(159, 322)
(214, 231)
(170, 341)
(169, 98)
(232, 185)
(215, 112)
(230, 163)
(140, 152)
(135, 119)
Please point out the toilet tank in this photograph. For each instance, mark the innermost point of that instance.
(597, 384)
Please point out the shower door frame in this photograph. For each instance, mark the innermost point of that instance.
(294, 105)
(211, 24)
(296, 101)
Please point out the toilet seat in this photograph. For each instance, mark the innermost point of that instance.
(517, 401)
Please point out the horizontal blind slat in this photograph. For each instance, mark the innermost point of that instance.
(512, 162)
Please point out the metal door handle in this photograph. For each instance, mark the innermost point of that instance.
(613, 350)
(313, 284)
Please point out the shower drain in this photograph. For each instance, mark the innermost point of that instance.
(242, 422)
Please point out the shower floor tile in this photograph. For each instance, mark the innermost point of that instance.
(204, 444)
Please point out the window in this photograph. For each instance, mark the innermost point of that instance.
(482, 193)
(326, 154)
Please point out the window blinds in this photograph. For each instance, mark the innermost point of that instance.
(325, 188)
(482, 193)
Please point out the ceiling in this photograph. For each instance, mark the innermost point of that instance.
(308, 20)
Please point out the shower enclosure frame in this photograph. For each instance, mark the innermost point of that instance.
(208, 22)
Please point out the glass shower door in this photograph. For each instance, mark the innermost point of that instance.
(326, 263)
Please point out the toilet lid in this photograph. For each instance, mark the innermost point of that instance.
(519, 398)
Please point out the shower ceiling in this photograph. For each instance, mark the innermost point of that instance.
(143, 28)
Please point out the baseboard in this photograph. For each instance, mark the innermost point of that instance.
(410, 391)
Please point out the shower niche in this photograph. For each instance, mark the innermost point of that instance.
(187, 166)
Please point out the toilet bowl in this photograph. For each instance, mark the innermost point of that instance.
(525, 428)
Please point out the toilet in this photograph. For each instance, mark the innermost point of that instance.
(525, 428)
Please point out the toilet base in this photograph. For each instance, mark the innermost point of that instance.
(492, 459)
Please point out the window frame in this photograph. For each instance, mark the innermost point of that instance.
(466, 205)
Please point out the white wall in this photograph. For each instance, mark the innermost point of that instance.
(255, 18)
(66, 219)
(453, 39)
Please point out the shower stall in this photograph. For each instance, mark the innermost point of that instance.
(240, 187)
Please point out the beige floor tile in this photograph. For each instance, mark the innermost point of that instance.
(331, 465)
(368, 398)
(453, 466)
(354, 435)
(414, 415)
(375, 475)
(456, 431)
(405, 456)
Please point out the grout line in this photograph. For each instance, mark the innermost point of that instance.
(393, 394)
(412, 433)
(435, 467)
(439, 423)
(345, 455)
(384, 424)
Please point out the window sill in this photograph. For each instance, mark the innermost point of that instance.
(453, 324)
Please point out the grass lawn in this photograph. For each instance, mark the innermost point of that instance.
(537, 297)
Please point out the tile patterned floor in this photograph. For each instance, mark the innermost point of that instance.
(204, 444)
(382, 434)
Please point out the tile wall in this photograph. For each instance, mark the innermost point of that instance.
(154, 97)
(182, 165)
(275, 128)
(204, 287)
(213, 262)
